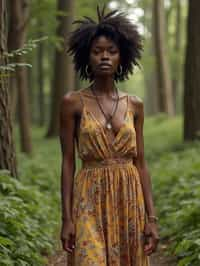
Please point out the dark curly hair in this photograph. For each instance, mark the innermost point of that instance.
(117, 27)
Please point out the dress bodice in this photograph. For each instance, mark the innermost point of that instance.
(93, 141)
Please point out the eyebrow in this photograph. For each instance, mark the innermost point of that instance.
(99, 46)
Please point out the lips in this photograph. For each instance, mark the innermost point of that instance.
(105, 65)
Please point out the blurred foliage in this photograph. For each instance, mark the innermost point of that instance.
(29, 208)
(25, 227)
(175, 169)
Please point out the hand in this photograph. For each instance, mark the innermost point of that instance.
(67, 236)
(152, 238)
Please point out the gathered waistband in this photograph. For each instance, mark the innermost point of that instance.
(117, 162)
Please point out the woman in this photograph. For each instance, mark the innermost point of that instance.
(108, 215)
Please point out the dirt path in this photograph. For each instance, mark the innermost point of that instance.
(158, 259)
(60, 259)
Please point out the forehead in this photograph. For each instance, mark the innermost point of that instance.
(103, 41)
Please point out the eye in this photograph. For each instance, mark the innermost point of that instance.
(96, 51)
(113, 51)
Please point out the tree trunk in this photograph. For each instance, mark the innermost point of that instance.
(19, 10)
(192, 74)
(151, 101)
(40, 72)
(165, 97)
(151, 90)
(12, 76)
(63, 74)
(177, 47)
(7, 149)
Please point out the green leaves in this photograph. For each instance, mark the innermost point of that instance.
(176, 187)
(23, 222)
(29, 209)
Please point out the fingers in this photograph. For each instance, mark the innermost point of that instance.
(67, 247)
(148, 248)
(69, 244)
(72, 241)
(151, 245)
(152, 238)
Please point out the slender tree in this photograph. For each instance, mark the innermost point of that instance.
(177, 48)
(7, 149)
(151, 90)
(192, 74)
(165, 96)
(40, 76)
(63, 73)
(19, 15)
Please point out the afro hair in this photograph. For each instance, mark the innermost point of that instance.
(115, 26)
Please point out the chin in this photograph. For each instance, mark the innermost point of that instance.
(105, 73)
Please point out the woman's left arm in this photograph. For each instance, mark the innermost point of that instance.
(140, 162)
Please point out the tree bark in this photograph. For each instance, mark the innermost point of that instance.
(192, 74)
(7, 148)
(40, 74)
(12, 77)
(151, 90)
(177, 47)
(63, 72)
(165, 97)
(19, 12)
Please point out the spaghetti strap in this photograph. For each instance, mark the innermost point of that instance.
(127, 103)
(81, 98)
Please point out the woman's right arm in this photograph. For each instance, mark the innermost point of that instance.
(67, 133)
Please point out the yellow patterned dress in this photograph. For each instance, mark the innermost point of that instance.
(108, 204)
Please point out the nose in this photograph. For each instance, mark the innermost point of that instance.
(105, 55)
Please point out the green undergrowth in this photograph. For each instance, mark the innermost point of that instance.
(175, 171)
(29, 205)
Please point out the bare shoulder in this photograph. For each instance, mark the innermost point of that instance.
(136, 104)
(70, 102)
(134, 99)
(122, 93)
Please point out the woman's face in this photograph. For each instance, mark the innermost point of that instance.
(104, 57)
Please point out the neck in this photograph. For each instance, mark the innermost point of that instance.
(104, 86)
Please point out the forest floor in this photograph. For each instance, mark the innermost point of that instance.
(157, 259)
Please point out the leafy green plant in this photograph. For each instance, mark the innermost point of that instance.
(29, 207)
(25, 227)
(24, 50)
(176, 188)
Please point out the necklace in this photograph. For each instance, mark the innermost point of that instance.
(108, 123)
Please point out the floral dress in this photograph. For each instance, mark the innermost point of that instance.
(107, 204)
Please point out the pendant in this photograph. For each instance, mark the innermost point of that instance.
(108, 126)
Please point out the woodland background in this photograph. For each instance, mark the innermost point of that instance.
(35, 72)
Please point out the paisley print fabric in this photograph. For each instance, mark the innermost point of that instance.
(108, 205)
